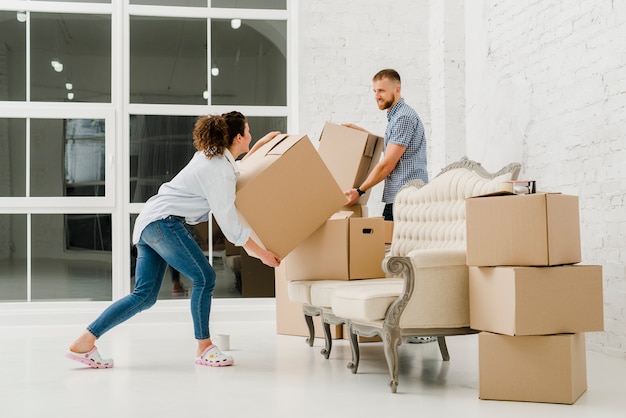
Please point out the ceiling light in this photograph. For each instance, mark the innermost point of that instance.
(215, 71)
(21, 16)
(205, 95)
(70, 95)
(68, 86)
(56, 64)
(235, 23)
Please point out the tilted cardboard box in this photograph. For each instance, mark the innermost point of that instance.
(285, 192)
(523, 230)
(536, 300)
(549, 368)
(350, 154)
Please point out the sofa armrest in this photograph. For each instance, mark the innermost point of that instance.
(438, 257)
(434, 295)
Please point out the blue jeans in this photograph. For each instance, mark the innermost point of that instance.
(164, 242)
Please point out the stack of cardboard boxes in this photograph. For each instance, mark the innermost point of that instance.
(529, 296)
(291, 195)
(348, 245)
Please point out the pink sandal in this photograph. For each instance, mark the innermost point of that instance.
(212, 356)
(91, 359)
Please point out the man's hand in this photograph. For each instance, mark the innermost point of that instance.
(352, 195)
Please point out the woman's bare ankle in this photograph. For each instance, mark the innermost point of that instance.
(84, 343)
(202, 346)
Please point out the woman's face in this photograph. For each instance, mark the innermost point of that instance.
(246, 138)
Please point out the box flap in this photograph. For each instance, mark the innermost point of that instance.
(282, 143)
(342, 214)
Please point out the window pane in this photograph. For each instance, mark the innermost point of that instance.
(260, 125)
(71, 257)
(160, 146)
(82, 1)
(67, 157)
(12, 157)
(251, 61)
(200, 3)
(84, 157)
(13, 56)
(70, 57)
(13, 257)
(168, 60)
(250, 4)
(233, 4)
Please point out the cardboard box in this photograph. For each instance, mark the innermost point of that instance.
(533, 368)
(523, 230)
(289, 315)
(536, 300)
(285, 192)
(344, 248)
(388, 232)
(350, 154)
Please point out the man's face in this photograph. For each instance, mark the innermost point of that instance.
(385, 93)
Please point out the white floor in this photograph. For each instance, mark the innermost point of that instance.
(274, 375)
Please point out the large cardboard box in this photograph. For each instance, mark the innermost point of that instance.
(285, 192)
(344, 248)
(350, 154)
(533, 368)
(536, 300)
(523, 230)
(289, 314)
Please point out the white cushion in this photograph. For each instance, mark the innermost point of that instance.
(300, 291)
(366, 301)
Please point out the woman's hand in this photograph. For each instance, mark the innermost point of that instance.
(267, 138)
(267, 257)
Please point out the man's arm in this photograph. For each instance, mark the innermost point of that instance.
(393, 152)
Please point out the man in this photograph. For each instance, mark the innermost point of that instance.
(404, 147)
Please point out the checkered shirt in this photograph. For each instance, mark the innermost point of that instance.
(405, 128)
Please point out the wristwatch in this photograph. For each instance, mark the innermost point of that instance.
(359, 191)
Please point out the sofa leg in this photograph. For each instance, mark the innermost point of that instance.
(354, 346)
(390, 344)
(443, 347)
(309, 324)
(328, 341)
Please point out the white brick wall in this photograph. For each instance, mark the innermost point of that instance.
(546, 86)
(342, 45)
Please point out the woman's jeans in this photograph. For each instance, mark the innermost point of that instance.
(164, 242)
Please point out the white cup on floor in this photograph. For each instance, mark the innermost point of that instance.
(222, 341)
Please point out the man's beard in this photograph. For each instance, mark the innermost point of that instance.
(385, 104)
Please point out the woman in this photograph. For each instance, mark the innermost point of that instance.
(206, 184)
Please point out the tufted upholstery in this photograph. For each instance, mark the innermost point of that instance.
(434, 216)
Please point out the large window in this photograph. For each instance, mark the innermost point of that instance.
(98, 99)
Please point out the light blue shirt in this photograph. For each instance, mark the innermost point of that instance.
(203, 185)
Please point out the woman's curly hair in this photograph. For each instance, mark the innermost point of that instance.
(212, 134)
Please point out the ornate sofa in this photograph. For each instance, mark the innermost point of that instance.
(425, 291)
